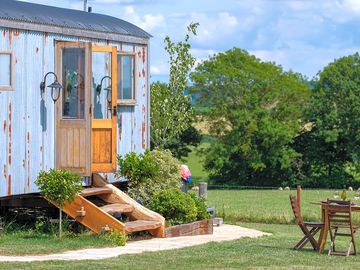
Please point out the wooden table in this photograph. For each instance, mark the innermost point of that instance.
(324, 217)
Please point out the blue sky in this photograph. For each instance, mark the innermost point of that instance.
(301, 35)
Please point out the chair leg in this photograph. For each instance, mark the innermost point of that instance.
(313, 242)
(353, 241)
(308, 238)
(301, 243)
(332, 239)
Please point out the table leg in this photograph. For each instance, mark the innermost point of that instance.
(324, 230)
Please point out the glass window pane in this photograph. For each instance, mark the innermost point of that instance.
(101, 70)
(5, 69)
(73, 80)
(126, 78)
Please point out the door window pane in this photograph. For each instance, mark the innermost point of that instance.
(5, 70)
(101, 70)
(73, 74)
(126, 88)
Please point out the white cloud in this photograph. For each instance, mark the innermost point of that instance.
(148, 22)
(159, 68)
(211, 28)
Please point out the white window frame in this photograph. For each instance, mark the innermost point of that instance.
(11, 86)
(128, 102)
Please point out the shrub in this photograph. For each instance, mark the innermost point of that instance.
(174, 205)
(201, 207)
(115, 238)
(149, 173)
(59, 187)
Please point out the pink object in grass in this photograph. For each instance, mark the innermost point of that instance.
(185, 172)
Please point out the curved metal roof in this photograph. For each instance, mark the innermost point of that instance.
(67, 18)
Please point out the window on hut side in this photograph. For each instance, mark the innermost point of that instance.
(6, 81)
(73, 74)
(126, 90)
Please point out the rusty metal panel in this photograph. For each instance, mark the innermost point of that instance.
(27, 120)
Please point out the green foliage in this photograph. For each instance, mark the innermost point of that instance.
(174, 205)
(255, 111)
(331, 145)
(181, 146)
(59, 186)
(115, 237)
(171, 112)
(138, 168)
(200, 204)
(149, 172)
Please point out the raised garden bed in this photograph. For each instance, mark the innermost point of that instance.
(195, 228)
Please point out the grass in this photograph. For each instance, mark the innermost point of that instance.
(271, 252)
(266, 206)
(30, 242)
(195, 160)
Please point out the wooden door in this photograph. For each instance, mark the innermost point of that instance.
(73, 118)
(104, 86)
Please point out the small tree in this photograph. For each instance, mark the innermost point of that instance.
(59, 187)
(171, 111)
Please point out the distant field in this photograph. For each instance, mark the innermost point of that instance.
(266, 206)
(195, 160)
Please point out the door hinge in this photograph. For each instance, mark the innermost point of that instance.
(90, 109)
(114, 111)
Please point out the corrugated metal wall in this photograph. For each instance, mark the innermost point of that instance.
(27, 121)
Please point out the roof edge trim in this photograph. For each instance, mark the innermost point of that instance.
(18, 25)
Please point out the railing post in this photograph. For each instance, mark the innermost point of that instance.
(203, 190)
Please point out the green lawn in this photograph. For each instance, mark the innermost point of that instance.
(30, 242)
(271, 252)
(266, 206)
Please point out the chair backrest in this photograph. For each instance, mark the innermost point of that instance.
(339, 212)
(296, 210)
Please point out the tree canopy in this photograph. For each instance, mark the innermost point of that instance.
(331, 146)
(256, 111)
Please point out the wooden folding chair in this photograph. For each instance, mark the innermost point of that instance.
(340, 224)
(308, 228)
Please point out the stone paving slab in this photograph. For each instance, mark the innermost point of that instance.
(222, 233)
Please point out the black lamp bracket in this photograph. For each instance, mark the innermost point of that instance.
(43, 83)
(99, 86)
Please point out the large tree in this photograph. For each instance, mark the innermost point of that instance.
(331, 144)
(255, 112)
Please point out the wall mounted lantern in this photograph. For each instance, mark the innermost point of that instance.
(55, 87)
(108, 89)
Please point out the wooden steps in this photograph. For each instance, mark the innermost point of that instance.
(96, 213)
(114, 208)
(94, 191)
(141, 225)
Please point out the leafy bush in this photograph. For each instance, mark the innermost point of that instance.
(115, 238)
(59, 186)
(174, 205)
(201, 207)
(149, 173)
(138, 168)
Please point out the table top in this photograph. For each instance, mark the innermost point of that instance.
(323, 203)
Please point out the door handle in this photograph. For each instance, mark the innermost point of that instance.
(114, 111)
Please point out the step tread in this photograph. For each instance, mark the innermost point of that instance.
(92, 191)
(113, 208)
(141, 225)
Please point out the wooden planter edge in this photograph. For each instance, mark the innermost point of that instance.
(201, 227)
